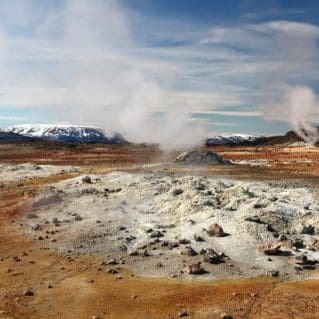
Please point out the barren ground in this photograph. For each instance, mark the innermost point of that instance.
(80, 287)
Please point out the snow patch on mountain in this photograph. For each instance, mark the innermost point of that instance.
(67, 133)
(232, 139)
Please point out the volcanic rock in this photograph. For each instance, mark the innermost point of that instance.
(270, 248)
(177, 191)
(212, 257)
(200, 157)
(182, 313)
(195, 269)
(189, 251)
(215, 230)
(87, 179)
(309, 229)
(28, 292)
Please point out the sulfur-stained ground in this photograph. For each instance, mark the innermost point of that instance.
(81, 287)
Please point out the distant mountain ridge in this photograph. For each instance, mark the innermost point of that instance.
(232, 139)
(66, 133)
(10, 137)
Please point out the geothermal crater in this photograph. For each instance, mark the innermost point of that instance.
(168, 225)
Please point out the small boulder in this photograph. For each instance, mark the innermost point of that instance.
(195, 269)
(189, 251)
(156, 234)
(182, 313)
(309, 230)
(215, 230)
(198, 238)
(270, 248)
(177, 191)
(212, 257)
(78, 218)
(28, 292)
(87, 179)
(36, 227)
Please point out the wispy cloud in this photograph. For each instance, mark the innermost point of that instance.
(96, 62)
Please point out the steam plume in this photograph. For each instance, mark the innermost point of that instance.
(296, 104)
(82, 64)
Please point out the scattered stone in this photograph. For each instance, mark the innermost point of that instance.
(282, 237)
(78, 218)
(195, 269)
(270, 248)
(198, 238)
(183, 313)
(273, 273)
(164, 243)
(87, 179)
(112, 271)
(297, 243)
(215, 230)
(28, 292)
(144, 253)
(309, 230)
(36, 227)
(189, 251)
(309, 267)
(112, 262)
(156, 234)
(184, 241)
(130, 238)
(304, 260)
(177, 191)
(89, 190)
(55, 221)
(172, 245)
(212, 257)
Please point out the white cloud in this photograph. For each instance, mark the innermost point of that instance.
(92, 71)
(82, 63)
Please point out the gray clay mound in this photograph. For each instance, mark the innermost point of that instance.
(200, 157)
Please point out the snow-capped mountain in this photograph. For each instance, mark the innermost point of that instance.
(66, 133)
(232, 139)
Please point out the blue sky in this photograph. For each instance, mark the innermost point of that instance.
(228, 66)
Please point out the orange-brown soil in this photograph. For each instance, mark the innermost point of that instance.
(80, 287)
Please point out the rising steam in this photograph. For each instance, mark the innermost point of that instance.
(82, 65)
(297, 105)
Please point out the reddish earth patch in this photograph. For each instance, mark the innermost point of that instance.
(82, 288)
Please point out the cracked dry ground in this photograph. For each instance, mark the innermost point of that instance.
(81, 287)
